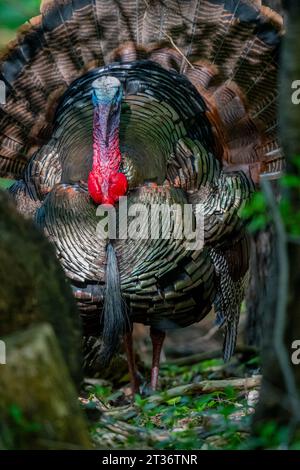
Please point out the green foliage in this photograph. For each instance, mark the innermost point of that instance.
(185, 374)
(203, 421)
(290, 184)
(269, 436)
(103, 393)
(15, 12)
(186, 417)
(255, 212)
(208, 421)
(290, 217)
(5, 183)
(16, 429)
(21, 423)
(290, 181)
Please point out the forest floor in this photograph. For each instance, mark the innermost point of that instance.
(202, 403)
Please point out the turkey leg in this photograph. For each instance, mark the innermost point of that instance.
(157, 338)
(135, 383)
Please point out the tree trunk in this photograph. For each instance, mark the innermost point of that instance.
(262, 271)
(261, 268)
(280, 395)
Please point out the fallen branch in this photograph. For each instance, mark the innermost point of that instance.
(204, 356)
(128, 430)
(206, 386)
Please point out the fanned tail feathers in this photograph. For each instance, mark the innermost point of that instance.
(228, 50)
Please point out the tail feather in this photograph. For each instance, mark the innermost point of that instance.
(213, 43)
(230, 339)
(114, 319)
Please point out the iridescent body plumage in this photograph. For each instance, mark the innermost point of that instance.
(192, 121)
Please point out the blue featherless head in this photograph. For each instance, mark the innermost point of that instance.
(107, 91)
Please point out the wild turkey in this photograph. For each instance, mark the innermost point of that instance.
(166, 102)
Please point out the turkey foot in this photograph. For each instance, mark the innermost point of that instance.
(157, 338)
(134, 378)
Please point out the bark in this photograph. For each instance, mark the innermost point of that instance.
(280, 396)
(261, 280)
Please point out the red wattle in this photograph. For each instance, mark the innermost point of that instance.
(117, 187)
(94, 187)
(105, 183)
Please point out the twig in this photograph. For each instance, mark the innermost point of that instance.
(206, 386)
(170, 39)
(128, 430)
(121, 413)
(178, 50)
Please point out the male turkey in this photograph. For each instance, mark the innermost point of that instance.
(165, 102)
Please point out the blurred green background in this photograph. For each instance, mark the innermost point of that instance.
(13, 13)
